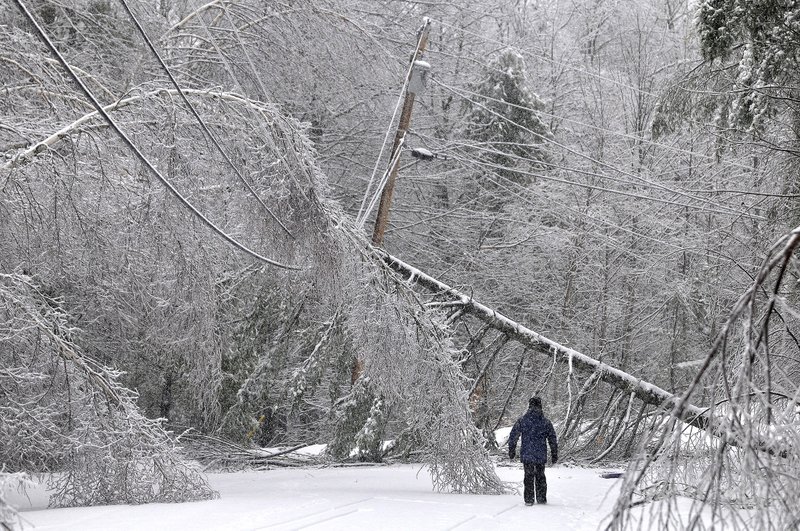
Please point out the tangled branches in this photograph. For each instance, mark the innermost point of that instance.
(63, 412)
(740, 471)
(411, 364)
(216, 453)
(209, 339)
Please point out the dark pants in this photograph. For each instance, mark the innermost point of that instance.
(535, 483)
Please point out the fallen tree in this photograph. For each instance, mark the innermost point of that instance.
(677, 407)
(645, 391)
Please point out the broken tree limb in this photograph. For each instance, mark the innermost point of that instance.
(629, 384)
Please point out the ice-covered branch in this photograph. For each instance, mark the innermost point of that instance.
(63, 412)
(30, 152)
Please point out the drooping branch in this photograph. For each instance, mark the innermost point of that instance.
(756, 486)
(63, 411)
(126, 140)
(74, 127)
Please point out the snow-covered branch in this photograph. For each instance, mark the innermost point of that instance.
(63, 412)
(30, 152)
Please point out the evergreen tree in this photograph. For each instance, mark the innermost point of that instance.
(504, 125)
(761, 40)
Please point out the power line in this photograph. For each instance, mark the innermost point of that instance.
(624, 135)
(529, 201)
(379, 189)
(546, 177)
(523, 192)
(128, 142)
(486, 39)
(578, 154)
(198, 118)
(483, 146)
(361, 217)
(597, 128)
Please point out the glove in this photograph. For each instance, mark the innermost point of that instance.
(555, 458)
(512, 454)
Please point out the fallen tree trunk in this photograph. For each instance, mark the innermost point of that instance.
(644, 391)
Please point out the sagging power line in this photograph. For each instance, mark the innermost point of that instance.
(129, 143)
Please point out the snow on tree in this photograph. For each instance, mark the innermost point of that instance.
(411, 363)
(502, 119)
(740, 471)
(209, 338)
(760, 39)
(62, 411)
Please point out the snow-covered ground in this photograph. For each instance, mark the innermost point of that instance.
(373, 497)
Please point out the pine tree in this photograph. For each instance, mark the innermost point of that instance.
(760, 39)
(504, 124)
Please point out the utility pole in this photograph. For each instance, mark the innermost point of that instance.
(413, 85)
(382, 217)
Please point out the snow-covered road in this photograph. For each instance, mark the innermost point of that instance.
(396, 497)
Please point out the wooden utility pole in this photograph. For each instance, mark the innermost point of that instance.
(382, 218)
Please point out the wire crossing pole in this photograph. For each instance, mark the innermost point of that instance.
(382, 218)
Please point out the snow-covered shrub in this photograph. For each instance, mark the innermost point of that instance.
(356, 426)
(62, 412)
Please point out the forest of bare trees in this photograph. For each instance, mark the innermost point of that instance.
(595, 202)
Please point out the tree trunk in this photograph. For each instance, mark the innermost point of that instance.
(644, 391)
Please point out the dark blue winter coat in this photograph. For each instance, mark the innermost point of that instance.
(536, 433)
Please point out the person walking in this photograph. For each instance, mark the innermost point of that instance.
(537, 432)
